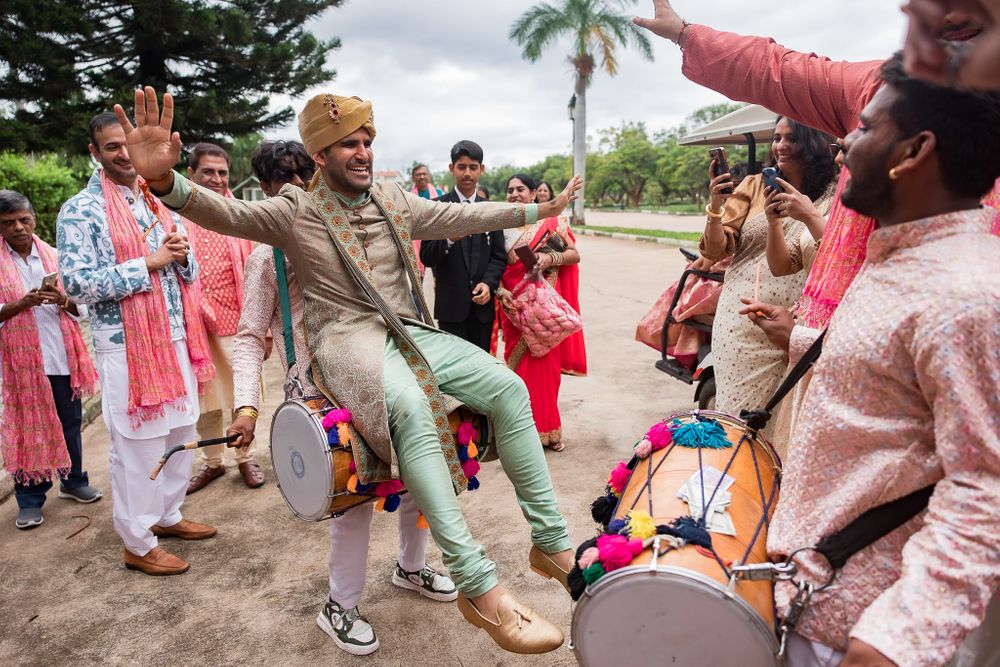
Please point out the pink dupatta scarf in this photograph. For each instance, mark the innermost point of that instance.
(154, 375)
(31, 434)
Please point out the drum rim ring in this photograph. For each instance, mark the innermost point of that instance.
(299, 404)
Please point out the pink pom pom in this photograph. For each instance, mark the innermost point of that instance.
(466, 433)
(659, 436)
(588, 557)
(353, 468)
(336, 416)
(470, 468)
(644, 449)
(393, 486)
(619, 478)
(616, 551)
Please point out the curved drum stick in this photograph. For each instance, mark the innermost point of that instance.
(190, 445)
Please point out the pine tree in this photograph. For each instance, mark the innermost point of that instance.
(61, 61)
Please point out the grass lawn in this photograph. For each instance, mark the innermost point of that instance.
(683, 236)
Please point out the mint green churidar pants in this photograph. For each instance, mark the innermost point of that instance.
(486, 385)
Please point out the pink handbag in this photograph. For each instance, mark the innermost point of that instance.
(543, 317)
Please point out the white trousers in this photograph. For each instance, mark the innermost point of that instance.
(349, 536)
(802, 652)
(138, 503)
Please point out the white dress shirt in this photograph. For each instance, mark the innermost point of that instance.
(46, 316)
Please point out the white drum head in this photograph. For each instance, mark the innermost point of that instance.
(634, 617)
(301, 460)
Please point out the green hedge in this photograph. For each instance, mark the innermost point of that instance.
(47, 181)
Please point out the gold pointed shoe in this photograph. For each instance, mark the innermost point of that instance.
(517, 628)
(541, 563)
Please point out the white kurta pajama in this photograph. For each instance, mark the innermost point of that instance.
(93, 275)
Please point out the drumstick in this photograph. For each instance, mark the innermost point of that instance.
(190, 445)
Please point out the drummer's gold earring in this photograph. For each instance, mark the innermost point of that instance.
(892, 174)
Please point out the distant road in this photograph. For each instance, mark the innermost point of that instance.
(667, 222)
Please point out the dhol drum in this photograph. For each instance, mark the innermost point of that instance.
(313, 474)
(702, 488)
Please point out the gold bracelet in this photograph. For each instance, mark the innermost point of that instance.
(713, 216)
(248, 412)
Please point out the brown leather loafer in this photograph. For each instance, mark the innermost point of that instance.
(205, 474)
(517, 628)
(541, 563)
(186, 530)
(158, 563)
(253, 476)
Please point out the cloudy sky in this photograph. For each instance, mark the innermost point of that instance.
(442, 70)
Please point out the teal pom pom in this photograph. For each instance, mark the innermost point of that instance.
(707, 434)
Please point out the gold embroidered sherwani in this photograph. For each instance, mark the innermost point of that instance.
(345, 331)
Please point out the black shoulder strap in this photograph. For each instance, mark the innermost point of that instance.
(873, 525)
(757, 419)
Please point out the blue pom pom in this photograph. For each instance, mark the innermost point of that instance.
(473, 483)
(392, 503)
(463, 453)
(365, 489)
(616, 526)
(333, 437)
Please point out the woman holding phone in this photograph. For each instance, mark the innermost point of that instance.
(746, 226)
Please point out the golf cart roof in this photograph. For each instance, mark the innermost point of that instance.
(733, 128)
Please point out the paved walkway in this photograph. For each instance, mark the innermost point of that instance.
(667, 222)
(253, 592)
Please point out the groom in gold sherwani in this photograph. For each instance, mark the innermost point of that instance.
(372, 337)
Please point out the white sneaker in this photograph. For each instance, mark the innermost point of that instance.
(347, 628)
(427, 581)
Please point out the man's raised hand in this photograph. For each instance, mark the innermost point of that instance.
(665, 22)
(153, 149)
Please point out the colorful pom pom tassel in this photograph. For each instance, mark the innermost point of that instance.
(619, 478)
(593, 573)
(616, 526)
(422, 522)
(466, 432)
(380, 505)
(344, 434)
(707, 434)
(391, 503)
(640, 525)
(366, 489)
(473, 483)
(470, 468)
(333, 437)
(473, 450)
(351, 466)
(463, 453)
(603, 509)
(352, 483)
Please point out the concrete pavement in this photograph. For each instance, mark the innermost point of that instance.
(253, 592)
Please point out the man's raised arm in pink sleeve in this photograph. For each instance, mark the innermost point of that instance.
(813, 90)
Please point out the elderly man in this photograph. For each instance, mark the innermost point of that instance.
(127, 256)
(221, 261)
(45, 368)
(373, 341)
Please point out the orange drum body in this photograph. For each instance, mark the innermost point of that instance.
(312, 474)
(677, 606)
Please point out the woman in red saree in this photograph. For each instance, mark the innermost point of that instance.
(542, 375)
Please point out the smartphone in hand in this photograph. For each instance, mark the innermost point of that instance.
(721, 165)
(49, 280)
(771, 179)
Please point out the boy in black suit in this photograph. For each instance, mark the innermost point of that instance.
(467, 270)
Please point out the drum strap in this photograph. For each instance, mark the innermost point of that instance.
(757, 419)
(873, 525)
(286, 307)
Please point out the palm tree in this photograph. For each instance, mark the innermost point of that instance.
(596, 29)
